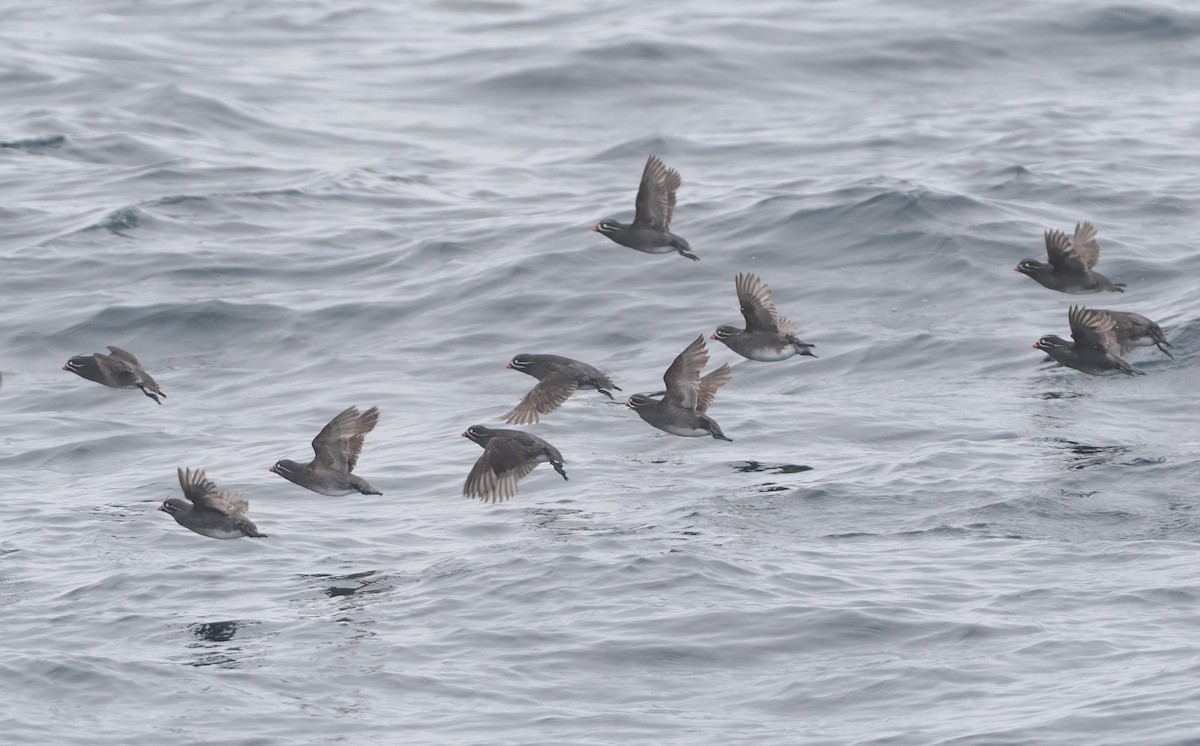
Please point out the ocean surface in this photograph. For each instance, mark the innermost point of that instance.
(927, 535)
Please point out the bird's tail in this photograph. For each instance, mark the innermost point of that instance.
(802, 348)
(558, 467)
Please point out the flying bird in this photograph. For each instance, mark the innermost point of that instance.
(337, 447)
(1070, 267)
(767, 337)
(118, 369)
(1094, 348)
(650, 230)
(508, 455)
(208, 511)
(682, 409)
(1135, 330)
(558, 378)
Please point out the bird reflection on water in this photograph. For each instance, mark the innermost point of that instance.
(1082, 455)
(363, 583)
(755, 466)
(215, 631)
(210, 646)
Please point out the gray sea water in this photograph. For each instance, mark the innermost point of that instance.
(924, 536)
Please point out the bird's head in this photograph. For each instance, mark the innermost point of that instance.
(639, 400)
(1029, 267)
(1051, 342)
(479, 434)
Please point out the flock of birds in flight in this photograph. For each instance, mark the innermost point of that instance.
(1099, 340)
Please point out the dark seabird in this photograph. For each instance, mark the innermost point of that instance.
(1071, 262)
(209, 512)
(508, 455)
(558, 378)
(767, 337)
(119, 369)
(1095, 349)
(681, 411)
(650, 230)
(337, 447)
(1135, 330)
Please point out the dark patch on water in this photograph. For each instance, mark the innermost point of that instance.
(35, 144)
(125, 219)
(1083, 455)
(756, 466)
(216, 631)
(1052, 395)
